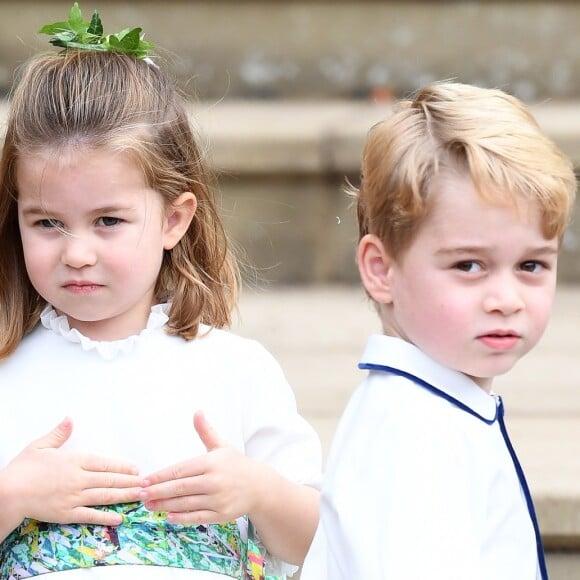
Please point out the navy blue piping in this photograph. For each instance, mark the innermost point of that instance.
(499, 413)
(526, 490)
(435, 390)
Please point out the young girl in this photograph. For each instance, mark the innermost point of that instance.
(136, 434)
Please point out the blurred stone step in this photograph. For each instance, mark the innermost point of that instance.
(283, 168)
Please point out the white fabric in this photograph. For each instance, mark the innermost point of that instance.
(134, 399)
(108, 349)
(416, 488)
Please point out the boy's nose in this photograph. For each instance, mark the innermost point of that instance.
(78, 252)
(504, 296)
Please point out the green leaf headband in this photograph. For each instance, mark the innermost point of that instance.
(77, 34)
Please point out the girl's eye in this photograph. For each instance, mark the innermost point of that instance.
(49, 223)
(532, 266)
(108, 221)
(469, 266)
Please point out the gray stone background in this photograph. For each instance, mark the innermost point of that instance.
(262, 65)
(333, 49)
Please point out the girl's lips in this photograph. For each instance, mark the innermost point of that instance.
(81, 287)
(499, 341)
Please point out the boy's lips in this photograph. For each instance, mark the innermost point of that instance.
(500, 339)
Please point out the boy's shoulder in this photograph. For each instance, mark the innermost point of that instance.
(409, 407)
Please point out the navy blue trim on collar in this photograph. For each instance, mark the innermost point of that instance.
(526, 490)
(499, 417)
(434, 390)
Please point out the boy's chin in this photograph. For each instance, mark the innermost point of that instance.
(484, 378)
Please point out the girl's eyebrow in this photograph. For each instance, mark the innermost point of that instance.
(33, 210)
(111, 209)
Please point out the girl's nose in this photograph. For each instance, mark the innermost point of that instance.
(78, 252)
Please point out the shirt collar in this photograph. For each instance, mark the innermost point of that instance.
(107, 349)
(405, 357)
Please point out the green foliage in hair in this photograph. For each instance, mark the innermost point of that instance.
(78, 34)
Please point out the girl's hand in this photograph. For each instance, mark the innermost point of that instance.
(217, 487)
(50, 484)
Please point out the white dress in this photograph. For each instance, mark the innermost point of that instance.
(420, 481)
(134, 399)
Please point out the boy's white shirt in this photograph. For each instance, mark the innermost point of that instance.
(417, 488)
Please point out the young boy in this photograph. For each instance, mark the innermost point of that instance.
(462, 208)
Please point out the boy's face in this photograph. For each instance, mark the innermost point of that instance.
(475, 288)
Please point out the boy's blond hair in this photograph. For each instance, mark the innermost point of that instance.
(114, 101)
(484, 132)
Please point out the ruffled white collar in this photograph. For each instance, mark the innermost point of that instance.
(107, 349)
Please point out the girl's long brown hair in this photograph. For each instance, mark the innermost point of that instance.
(99, 99)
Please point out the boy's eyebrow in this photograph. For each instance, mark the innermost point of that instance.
(548, 248)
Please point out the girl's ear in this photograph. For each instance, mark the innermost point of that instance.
(178, 216)
(376, 268)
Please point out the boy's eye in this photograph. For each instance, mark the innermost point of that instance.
(469, 266)
(108, 221)
(531, 266)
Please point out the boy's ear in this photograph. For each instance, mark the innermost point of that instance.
(178, 216)
(375, 266)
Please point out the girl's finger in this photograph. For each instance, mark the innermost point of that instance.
(56, 438)
(208, 435)
(191, 503)
(188, 486)
(195, 518)
(186, 469)
(87, 515)
(109, 496)
(107, 464)
(106, 479)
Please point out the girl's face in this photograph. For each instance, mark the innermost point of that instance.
(93, 235)
(474, 290)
